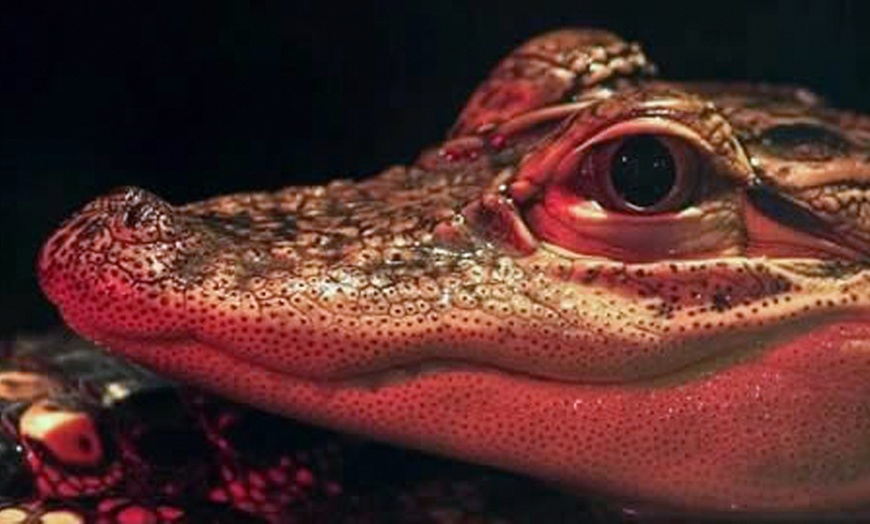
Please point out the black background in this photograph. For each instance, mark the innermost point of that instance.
(191, 100)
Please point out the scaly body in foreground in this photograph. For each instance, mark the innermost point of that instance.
(654, 290)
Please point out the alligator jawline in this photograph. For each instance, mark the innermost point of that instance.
(766, 340)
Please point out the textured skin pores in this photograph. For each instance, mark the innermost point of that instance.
(454, 306)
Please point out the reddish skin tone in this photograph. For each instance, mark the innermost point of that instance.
(711, 355)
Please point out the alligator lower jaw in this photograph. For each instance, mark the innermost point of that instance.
(787, 430)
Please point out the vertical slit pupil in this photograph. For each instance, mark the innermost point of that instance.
(642, 171)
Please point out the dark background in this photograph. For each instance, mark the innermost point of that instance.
(193, 100)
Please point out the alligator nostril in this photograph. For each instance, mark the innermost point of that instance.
(136, 214)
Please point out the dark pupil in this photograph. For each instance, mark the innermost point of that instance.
(643, 171)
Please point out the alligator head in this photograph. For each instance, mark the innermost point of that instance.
(648, 289)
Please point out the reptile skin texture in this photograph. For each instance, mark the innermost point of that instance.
(498, 301)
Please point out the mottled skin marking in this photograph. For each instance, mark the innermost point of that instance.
(476, 304)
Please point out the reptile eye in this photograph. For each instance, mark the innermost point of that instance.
(640, 174)
(635, 191)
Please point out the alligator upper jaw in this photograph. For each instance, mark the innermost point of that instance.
(143, 325)
(130, 267)
(115, 313)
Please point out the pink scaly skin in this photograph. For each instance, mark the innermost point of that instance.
(697, 336)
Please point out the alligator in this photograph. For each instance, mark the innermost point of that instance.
(651, 290)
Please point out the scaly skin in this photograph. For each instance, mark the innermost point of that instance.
(479, 304)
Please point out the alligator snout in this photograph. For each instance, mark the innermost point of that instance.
(127, 214)
(121, 248)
